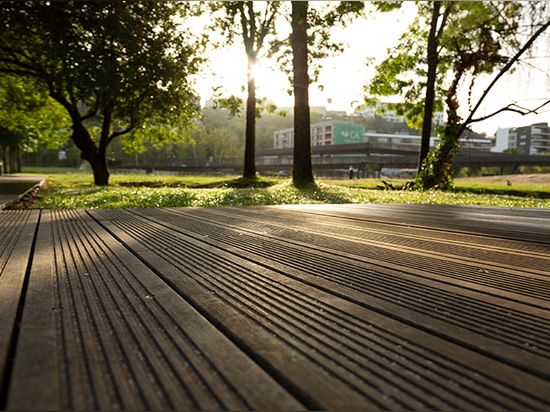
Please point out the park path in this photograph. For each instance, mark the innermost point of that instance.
(320, 307)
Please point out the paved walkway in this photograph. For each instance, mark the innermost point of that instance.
(11, 187)
(348, 307)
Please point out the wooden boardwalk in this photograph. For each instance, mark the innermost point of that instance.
(348, 307)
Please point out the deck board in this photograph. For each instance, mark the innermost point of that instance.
(17, 230)
(332, 307)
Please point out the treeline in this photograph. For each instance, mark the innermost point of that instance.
(217, 135)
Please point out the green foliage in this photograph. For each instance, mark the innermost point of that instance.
(108, 55)
(233, 104)
(111, 65)
(28, 117)
(437, 169)
(216, 135)
(385, 6)
(469, 39)
(254, 23)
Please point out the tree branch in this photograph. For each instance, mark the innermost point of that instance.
(267, 22)
(503, 71)
(120, 133)
(512, 107)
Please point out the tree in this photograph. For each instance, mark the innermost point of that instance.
(303, 18)
(111, 65)
(456, 40)
(440, 14)
(485, 28)
(254, 23)
(407, 56)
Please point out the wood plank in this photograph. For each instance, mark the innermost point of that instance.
(531, 225)
(101, 331)
(17, 230)
(270, 293)
(510, 269)
(300, 307)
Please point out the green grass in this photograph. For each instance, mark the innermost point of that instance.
(538, 190)
(76, 191)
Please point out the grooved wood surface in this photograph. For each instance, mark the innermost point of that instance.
(320, 307)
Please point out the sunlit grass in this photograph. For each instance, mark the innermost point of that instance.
(77, 191)
(535, 189)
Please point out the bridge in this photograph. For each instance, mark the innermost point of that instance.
(389, 155)
(373, 155)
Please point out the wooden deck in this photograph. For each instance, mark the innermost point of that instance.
(348, 307)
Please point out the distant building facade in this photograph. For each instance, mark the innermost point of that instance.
(528, 140)
(335, 133)
(323, 133)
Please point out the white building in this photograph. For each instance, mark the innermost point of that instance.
(501, 141)
(530, 140)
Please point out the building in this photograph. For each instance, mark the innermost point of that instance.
(528, 140)
(335, 144)
(335, 133)
(501, 143)
(324, 133)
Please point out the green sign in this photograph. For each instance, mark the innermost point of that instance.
(345, 133)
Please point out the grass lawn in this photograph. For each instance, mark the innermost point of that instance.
(76, 190)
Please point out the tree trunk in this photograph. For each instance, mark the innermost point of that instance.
(4, 159)
(250, 131)
(19, 160)
(433, 61)
(88, 151)
(13, 160)
(302, 173)
(438, 170)
(100, 169)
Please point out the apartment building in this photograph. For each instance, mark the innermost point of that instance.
(529, 140)
(323, 133)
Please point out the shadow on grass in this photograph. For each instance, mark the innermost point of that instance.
(323, 194)
(283, 194)
(239, 183)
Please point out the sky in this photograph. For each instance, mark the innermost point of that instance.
(344, 75)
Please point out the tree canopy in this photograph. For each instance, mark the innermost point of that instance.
(111, 65)
(28, 119)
